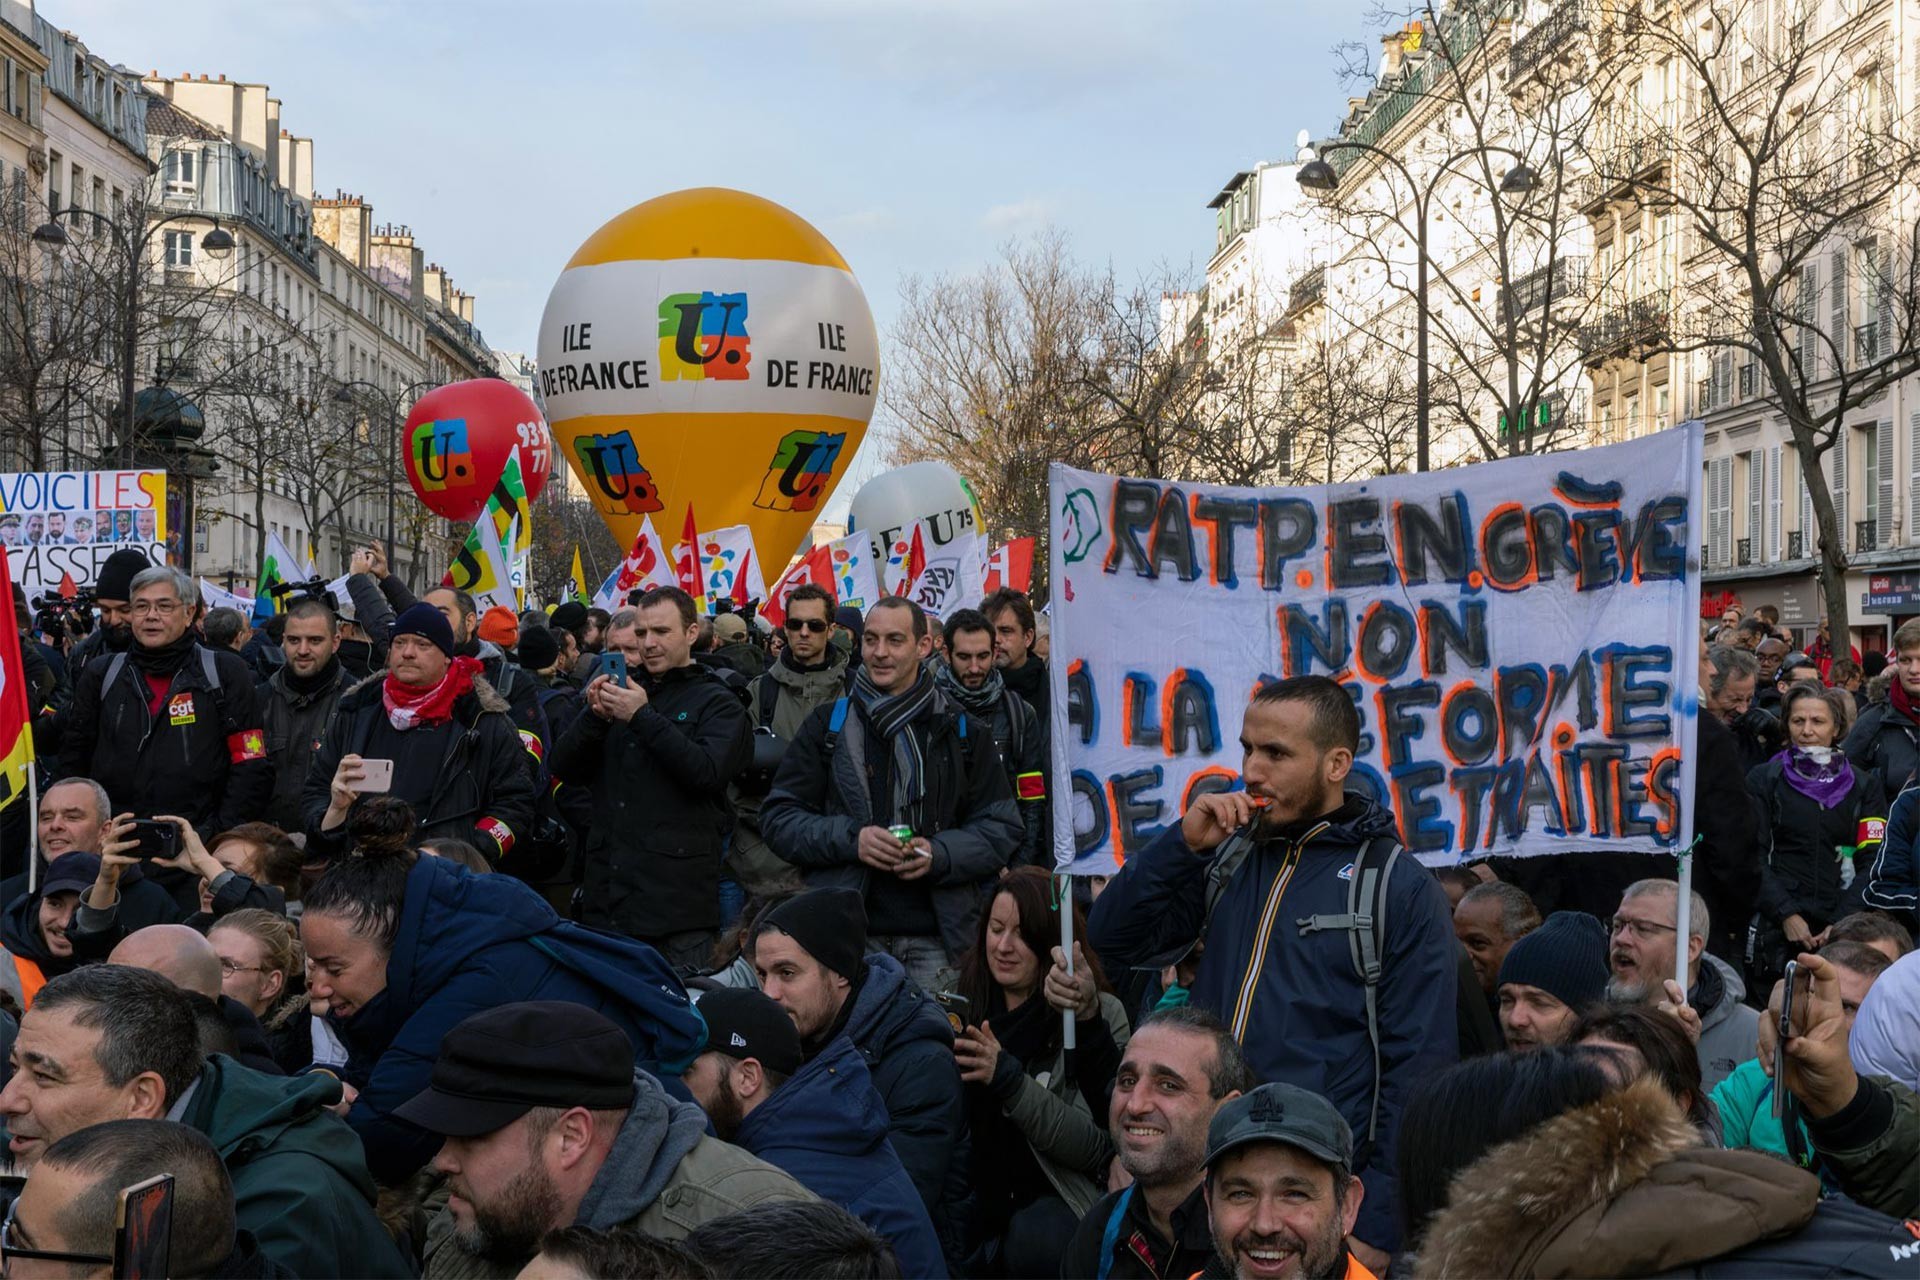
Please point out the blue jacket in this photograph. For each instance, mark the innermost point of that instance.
(1893, 877)
(1304, 1005)
(468, 943)
(828, 1128)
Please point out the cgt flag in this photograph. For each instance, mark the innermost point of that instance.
(1011, 565)
(815, 567)
(16, 725)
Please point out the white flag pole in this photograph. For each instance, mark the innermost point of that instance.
(1066, 949)
(1683, 917)
(33, 827)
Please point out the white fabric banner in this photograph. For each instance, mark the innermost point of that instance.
(1521, 637)
(855, 583)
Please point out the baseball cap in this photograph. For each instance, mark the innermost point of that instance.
(498, 1065)
(70, 872)
(744, 1023)
(1281, 1113)
(730, 627)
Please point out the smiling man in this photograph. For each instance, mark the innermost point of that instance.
(1281, 1194)
(1179, 1069)
(658, 752)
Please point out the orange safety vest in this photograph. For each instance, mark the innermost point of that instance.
(31, 980)
(1355, 1270)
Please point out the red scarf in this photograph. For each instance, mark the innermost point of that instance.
(408, 706)
(1901, 700)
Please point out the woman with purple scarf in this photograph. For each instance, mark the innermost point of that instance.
(1819, 819)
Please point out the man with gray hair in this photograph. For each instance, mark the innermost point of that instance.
(1641, 952)
(170, 727)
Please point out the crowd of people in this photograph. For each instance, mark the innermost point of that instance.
(411, 937)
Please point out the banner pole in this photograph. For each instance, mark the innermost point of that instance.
(1066, 949)
(1683, 916)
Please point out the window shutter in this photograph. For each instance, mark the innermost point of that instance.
(1809, 315)
(1837, 483)
(1842, 352)
(1883, 293)
(1883, 516)
(1809, 532)
(1756, 495)
(1719, 510)
(1772, 542)
(1913, 478)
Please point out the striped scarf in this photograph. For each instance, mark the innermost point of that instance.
(889, 715)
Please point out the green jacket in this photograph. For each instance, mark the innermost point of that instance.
(796, 694)
(1868, 1146)
(300, 1180)
(1745, 1102)
(1070, 1143)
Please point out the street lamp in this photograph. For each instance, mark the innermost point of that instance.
(1317, 175)
(343, 394)
(216, 244)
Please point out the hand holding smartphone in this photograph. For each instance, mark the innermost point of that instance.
(376, 777)
(155, 841)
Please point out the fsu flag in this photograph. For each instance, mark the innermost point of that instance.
(16, 728)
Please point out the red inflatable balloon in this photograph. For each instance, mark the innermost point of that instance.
(458, 439)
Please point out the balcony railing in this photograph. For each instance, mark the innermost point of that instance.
(1621, 329)
(1749, 381)
(1796, 545)
(1565, 279)
(1866, 536)
(1866, 341)
(1550, 38)
(1743, 551)
(1307, 289)
(1617, 165)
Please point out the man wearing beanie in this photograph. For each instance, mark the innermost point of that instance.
(819, 1119)
(112, 592)
(809, 954)
(1550, 977)
(456, 756)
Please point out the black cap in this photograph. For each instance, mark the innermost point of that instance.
(1281, 1113)
(744, 1023)
(71, 872)
(829, 924)
(115, 579)
(569, 615)
(538, 648)
(496, 1066)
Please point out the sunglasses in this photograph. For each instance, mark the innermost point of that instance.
(814, 625)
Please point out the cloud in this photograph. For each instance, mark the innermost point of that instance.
(1018, 215)
(862, 220)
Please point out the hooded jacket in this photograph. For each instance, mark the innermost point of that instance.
(828, 1128)
(1799, 843)
(789, 695)
(907, 1044)
(1893, 874)
(660, 811)
(300, 1181)
(1622, 1187)
(471, 770)
(1021, 739)
(466, 943)
(294, 723)
(1867, 1146)
(1884, 742)
(1729, 1030)
(821, 799)
(664, 1176)
(1293, 998)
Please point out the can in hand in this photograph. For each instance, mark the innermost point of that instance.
(901, 833)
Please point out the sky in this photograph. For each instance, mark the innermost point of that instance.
(919, 135)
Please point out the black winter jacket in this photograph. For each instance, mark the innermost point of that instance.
(1884, 742)
(203, 758)
(821, 800)
(1022, 742)
(660, 811)
(294, 723)
(1800, 872)
(473, 769)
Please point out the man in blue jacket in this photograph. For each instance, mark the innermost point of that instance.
(1278, 965)
(819, 1118)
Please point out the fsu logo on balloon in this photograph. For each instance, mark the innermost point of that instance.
(703, 335)
(801, 469)
(440, 453)
(611, 466)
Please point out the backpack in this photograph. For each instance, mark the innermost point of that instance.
(209, 667)
(1364, 920)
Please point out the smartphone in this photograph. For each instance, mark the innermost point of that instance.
(143, 1230)
(613, 664)
(1796, 994)
(375, 776)
(955, 1007)
(156, 840)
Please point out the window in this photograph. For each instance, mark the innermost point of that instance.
(75, 186)
(1870, 437)
(54, 169)
(178, 167)
(1662, 408)
(179, 248)
(99, 205)
(1630, 417)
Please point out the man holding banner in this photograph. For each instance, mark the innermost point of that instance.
(1263, 878)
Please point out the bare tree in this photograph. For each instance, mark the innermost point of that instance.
(1784, 168)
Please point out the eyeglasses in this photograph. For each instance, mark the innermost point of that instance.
(142, 608)
(1639, 928)
(229, 968)
(10, 1251)
(814, 625)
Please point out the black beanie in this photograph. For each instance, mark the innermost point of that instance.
(115, 580)
(538, 649)
(1566, 957)
(569, 615)
(829, 924)
(429, 623)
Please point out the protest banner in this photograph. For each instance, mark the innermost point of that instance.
(728, 567)
(60, 526)
(1521, 639)
(855, 584)
(215, 596)
(1011, 565)
(953, 576)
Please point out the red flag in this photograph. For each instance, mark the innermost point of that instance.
(916, 560)
(16, 724)
(688, 567)
(816, 567)
(1011, 565)
(739, 593)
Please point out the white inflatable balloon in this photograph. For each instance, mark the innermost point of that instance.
(934, 498)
